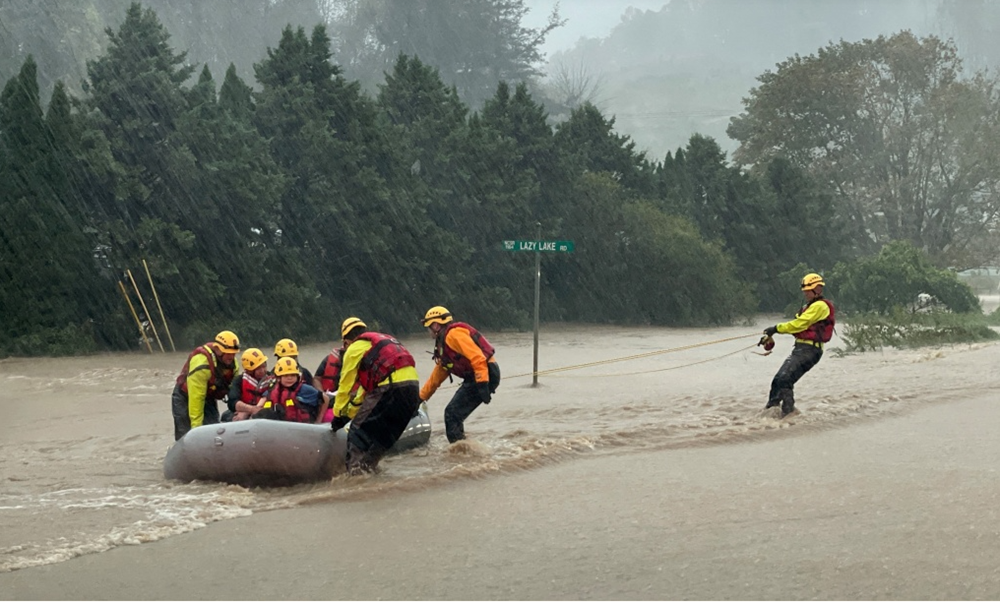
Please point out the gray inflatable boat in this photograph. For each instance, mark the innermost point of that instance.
(272, 452)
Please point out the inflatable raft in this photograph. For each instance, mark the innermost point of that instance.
(272, 452)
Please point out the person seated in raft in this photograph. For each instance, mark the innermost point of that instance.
(292, 399)
(249, 387)
(288, 348)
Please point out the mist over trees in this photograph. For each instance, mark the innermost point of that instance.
(280, 202)
(683, 69)
(473, 44)
(910, 147)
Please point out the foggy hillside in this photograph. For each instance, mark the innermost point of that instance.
(682, 69)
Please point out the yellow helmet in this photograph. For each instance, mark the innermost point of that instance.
(227, 342)
(437, 315)
(252, 359)
(286, 366)
(811, 281)
(349, 325)
(286, 348)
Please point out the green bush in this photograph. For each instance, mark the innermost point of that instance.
(895, 279)
(73, 339)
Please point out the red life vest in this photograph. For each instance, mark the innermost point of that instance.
(821, 331)
(385, 357)
(251, 391)
(451, 360)
(286, 404)
(218, 383)
(331, 370)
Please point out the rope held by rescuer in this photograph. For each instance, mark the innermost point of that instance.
(649, 354)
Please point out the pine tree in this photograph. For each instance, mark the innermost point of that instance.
(44, 249)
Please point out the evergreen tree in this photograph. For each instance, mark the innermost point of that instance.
(367, 240)
(235, 96)
(43, 248)
(591, 141)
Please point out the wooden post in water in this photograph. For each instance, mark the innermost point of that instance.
(146, 311)
(142, 331)
(159, 307)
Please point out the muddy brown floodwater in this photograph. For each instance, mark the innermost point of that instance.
(658, 477)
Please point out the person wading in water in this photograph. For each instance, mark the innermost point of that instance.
(812, 327)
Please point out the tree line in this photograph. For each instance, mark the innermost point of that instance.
(278, 209)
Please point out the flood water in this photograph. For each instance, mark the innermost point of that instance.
(82, 439)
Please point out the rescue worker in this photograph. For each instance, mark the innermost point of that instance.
(292, 399)
(386, 371)
(206, 377)
(327, 379)
(812, 327)
(248, 388)
(461, 350)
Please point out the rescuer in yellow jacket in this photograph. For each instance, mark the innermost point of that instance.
(812, 327)
(385, 370)
(461, 350)
(204, 380)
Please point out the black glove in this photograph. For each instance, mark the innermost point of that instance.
(484, 392)
(771, 331)
(339, 422)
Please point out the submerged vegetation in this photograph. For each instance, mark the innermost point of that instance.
(901, 329)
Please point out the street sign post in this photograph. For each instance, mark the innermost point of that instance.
(538, 246)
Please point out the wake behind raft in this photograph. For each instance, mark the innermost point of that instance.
(272, 452)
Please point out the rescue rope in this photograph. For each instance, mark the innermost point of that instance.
(644, 355)
(705, 361)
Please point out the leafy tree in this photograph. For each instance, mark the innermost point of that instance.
(896, 278)
(908, 145)
(635, 263)
(474, 43)
(767, 220)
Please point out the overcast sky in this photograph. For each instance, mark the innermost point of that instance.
(585, 18)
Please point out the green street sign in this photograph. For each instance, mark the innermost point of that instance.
(544, 246)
